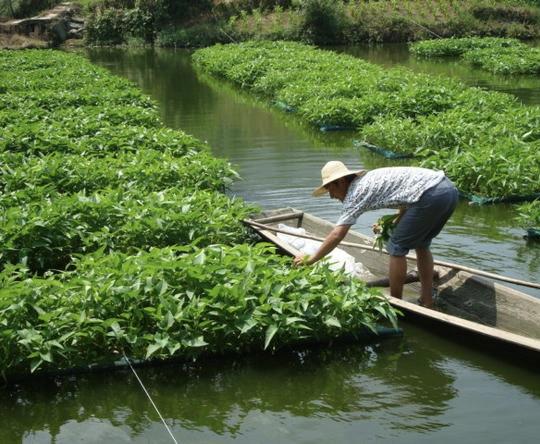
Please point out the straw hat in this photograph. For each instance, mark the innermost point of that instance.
(334, 170)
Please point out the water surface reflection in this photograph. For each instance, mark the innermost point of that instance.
(334, 393)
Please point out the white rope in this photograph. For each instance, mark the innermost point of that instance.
(149, 397)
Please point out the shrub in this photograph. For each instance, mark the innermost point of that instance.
(192, 37)
(25, 8)
(106, 27)
(120, 22)
(140, 23)
(507, 13)
(323, 21)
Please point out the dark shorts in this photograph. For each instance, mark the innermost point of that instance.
(424, 219)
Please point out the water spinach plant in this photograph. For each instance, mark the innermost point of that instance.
(46, 234)
(117, 235)
(176, 302)
(486, 141)
(86, 162)
(494, 54)
(528, 217)
(383, 229)
(453, 47)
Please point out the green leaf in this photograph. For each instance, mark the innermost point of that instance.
(164, 287)
(332, 322)
(292, 319)
(197, 342)
(248, 325)
(46, 356)
(380, 309)
(151, 349)
(35, 364)
(200, 258)
(249, 266)
(270, 332)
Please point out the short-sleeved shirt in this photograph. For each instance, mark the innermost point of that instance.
(390, 187)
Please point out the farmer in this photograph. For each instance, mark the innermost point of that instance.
(425, 199)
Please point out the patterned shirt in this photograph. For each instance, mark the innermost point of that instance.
(389, 187)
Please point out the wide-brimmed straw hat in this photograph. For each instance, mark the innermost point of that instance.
(334, 170)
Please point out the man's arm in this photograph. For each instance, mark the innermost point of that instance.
(332, 240)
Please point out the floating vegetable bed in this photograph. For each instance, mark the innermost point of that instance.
(529, 218)
(452, 47)
(180, 301)
(486, 141)
(494, 54)
(116, 235)
(46, 234)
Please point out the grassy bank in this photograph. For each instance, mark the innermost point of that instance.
(168, 24)
(117, 236)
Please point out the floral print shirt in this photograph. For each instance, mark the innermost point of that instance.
(390, 187)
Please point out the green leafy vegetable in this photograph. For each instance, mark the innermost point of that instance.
(383, 229)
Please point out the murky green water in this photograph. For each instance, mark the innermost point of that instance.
(421, 388)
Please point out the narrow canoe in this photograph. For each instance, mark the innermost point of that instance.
(469, 308)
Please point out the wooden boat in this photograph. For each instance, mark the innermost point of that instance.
(485, 313)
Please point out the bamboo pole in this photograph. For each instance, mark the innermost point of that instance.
(372, 248)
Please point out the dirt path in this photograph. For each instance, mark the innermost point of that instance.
(50, 28)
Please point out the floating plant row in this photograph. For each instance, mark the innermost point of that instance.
(495, 54)
(486, 141)
(46, 234)
(143, 170)
(485, 152)
(86, 164)
(529, 218)
(171, 302)
(114, 231)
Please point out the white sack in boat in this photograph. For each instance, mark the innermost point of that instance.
(337, 258)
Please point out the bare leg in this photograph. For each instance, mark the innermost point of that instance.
(397, 273)
(424, 259)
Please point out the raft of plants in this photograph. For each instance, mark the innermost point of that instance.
(117, 235)
(528, 217)
(494, 54)
(487, 142)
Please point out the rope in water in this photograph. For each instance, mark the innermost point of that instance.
(149, 397)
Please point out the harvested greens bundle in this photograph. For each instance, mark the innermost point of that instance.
(383, 229)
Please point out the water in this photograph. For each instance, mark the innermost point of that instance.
(419, 388)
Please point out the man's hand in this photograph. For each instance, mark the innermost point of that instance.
(330, 242)
(301, 259)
